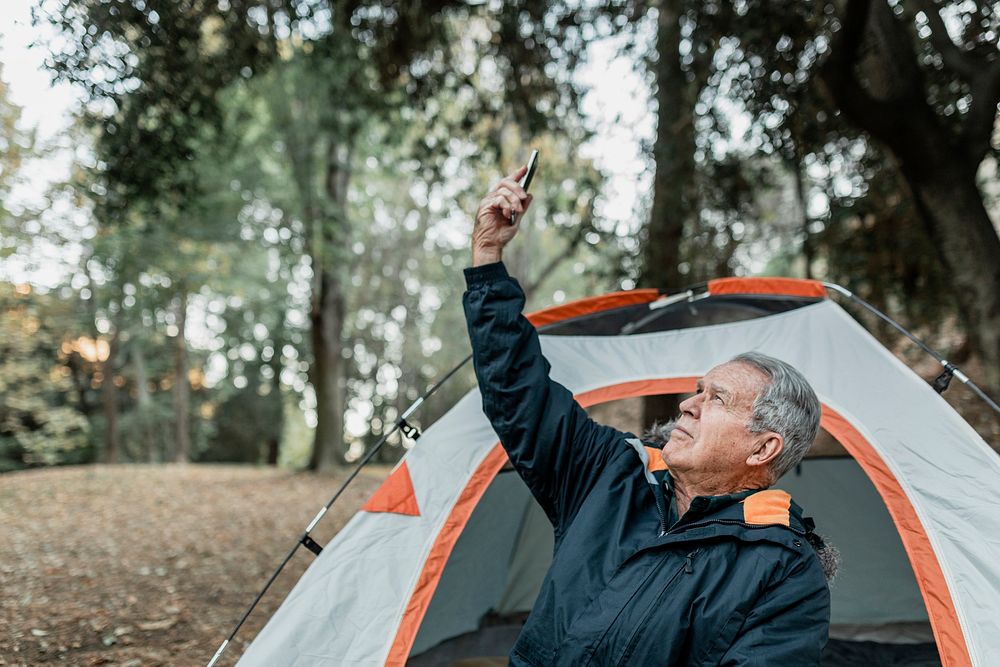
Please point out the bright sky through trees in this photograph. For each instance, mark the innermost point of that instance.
(617, 107)
(46, 109)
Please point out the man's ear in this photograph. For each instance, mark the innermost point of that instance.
(767, 447)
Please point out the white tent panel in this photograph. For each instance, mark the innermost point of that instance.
(347, 606)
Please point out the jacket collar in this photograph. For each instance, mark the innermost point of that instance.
(754, 509)
(767, 515)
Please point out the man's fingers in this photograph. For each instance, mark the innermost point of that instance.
(500, 202)
(514, 187)
(521, 171)
(508, 197)
(516, 202)
(504, 202)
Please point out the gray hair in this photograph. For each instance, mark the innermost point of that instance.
(787, 406)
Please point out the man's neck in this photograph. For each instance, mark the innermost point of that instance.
(685, 490)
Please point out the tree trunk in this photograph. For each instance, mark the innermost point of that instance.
(273, 449)
(182, 389)
(274, 444)
(109, 401)
(951, 206)
(327, 373)
(673, 184)
(149, 439)
(808, 252)
(109, 393)
(327, 316)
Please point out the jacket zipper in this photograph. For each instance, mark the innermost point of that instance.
(660, 499)
(688, 568)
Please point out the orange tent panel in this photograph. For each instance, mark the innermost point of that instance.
(395, 495)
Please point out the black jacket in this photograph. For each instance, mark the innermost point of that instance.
(734, 582)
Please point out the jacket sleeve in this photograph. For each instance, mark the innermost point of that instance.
(788, 625)
(552, 443)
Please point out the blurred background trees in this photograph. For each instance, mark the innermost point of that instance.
(271, 198)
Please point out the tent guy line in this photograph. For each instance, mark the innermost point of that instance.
(306, 539)
(940, 383)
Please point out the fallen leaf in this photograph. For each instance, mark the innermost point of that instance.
(157, 625)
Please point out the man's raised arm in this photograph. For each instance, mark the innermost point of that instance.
(553, 444)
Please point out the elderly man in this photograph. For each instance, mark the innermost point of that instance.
(688, 560)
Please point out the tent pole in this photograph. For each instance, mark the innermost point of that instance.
(950, 369)
(305, 539)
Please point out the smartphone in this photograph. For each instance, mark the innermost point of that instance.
(526, 179)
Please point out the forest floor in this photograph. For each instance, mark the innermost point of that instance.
(152, 565)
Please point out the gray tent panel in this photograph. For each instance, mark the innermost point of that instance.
(499, 562)
(478, 570)
(875, 584)
(532, 557)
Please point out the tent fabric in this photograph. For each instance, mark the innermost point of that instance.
(787, 286)
(395, 494)
(591, 305)
(363, 600)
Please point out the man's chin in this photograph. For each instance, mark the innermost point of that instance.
(669, 448)
(677, 439)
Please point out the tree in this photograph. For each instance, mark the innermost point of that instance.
(933, 103)
(896, 73)
(819, 78)
(15, 145)
(154, 76)
(39, 423)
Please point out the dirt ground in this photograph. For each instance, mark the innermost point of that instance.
(152, 565)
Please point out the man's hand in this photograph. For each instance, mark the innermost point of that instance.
(493, 229)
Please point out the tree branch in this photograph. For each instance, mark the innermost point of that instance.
(961, 62)
(556, 261)
(982, 76)
(977, 129)
(837, 74)
(901, 118)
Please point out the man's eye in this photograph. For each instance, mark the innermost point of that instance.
(718, 398)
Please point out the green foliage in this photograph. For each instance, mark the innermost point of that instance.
(39, 421)
(247, 154)
(146, 431)
(150, 73)
(247, 424)
(16, 145)
(780, 173)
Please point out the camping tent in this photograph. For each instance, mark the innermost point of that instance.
(447, 556)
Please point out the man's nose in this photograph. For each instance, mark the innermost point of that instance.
(691, 405)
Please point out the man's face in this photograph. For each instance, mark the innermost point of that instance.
(711, 439)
